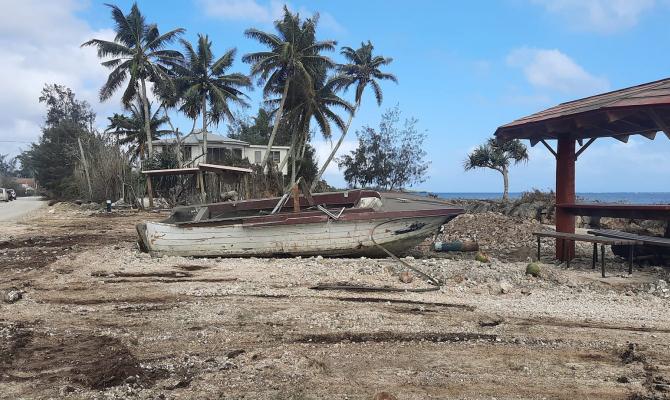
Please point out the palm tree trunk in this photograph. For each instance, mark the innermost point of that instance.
(177, 138)
(337, 146)
(147, 117)
(276, 125)
(294, 173)
(505, 175)
(204, 128)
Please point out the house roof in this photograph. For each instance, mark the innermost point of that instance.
(642, 109)
(196, 138)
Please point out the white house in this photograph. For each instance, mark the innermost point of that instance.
(218, 146)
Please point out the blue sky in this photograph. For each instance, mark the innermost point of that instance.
(464, 68)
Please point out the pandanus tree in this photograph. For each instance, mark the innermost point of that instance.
(293, 55)
(137, 54)
(131, 129)
(205, 87)
(361, 70)
(498, 157)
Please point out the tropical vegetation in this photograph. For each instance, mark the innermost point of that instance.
(498, 157)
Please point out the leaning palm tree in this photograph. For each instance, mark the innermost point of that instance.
(294, 55)
(317, 103)
(130, 129)
(203, 81)
(498, 157)
(362, 70)
(138, 52)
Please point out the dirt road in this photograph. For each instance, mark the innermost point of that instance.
(98, 319)
(22, 206)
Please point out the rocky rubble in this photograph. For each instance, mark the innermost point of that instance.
(501, 236)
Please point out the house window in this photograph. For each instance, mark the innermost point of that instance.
(237, 153)
(217, 154)
(257, 156)
(275, 157)
(186, 153)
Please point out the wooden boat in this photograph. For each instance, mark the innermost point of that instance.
(328, 224)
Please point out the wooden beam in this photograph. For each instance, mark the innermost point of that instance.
(613, 116)
(650, 135)
(659, 122)
(622, 138)
(548, 147)
(534, 141)
(584, 147)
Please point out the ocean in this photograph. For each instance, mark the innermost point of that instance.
(613, 197)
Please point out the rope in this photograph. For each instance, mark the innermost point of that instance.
(432, 280)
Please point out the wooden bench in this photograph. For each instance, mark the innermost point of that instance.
(591, 239)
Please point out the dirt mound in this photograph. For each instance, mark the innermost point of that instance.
(501, 236)
(96, 362)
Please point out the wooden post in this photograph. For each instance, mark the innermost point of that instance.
(201, 183)
(565, 193)
(150, 192)
(296, 198)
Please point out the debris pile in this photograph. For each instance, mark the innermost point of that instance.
(503, 237)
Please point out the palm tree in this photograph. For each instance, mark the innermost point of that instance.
(138, 52)
(294, 55)
(203, 81)
(497, 156)
(317, 103)
(362, 71)
(131, 129)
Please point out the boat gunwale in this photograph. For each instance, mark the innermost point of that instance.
(315, 217)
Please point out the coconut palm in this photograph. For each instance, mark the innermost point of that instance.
(316, 103)
(202, 81)
(362, 70)
(138, 54)
(294, 55)
(130, 129)
(497, 156)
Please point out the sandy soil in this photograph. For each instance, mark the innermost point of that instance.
(98, 319)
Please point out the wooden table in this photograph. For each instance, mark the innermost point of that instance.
(592, 239)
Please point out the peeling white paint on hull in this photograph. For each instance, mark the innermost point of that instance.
(331, 238)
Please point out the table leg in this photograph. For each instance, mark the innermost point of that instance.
(630, 259)
(538, 249)
(602, 259)
(594, 258)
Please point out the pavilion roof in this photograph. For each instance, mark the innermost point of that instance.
(642, 109)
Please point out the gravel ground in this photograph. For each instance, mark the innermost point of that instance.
(98, 319)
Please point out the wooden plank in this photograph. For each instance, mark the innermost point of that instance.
(587, 238)
(652, 240)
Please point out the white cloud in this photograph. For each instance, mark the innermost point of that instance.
(260, 12)
(40, 43)
(603, 16)
(551, 69)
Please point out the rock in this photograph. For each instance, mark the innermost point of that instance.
(505, 287)
(533, 269)
(65, 390)
(12, 295)
(483, 258)
(406, 277)
(384, 396)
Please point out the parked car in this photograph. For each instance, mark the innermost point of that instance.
(4, 194)
(12, 194)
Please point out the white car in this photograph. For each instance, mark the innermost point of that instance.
(4, 194)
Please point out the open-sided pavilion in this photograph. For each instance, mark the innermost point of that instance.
(639, 110)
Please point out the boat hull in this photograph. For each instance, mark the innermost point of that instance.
(333, 237)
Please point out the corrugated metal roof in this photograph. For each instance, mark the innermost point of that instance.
(196, 138)
(588, 117)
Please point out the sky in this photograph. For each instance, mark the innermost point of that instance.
(464, 68)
